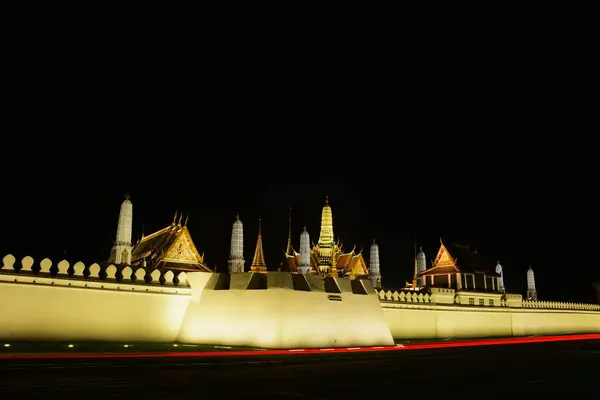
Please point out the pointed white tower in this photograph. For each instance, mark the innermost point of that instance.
(304, 265)
(531, 291)
(374, 272)
(421, 266)
(121, 250)
(236, 255)
(499, 271)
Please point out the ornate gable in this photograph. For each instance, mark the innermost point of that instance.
(443, 258)
(183, 250)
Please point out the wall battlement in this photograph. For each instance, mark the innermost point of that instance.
(507, 300)
(63, 273)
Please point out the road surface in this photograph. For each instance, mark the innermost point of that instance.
(516, 371)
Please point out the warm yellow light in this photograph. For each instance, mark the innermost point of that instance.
(70, 345)
(6, 344)
(125, 345)
(175, 345)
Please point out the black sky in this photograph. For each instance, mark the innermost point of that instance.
(465, 144)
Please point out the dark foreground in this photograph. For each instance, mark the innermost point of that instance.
(488, 372)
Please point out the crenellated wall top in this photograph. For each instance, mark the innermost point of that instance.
(94, 272)
(508, 300)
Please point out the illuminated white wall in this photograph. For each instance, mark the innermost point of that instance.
(63, 308)
(123, 307)
(449, 315)
(280, 317)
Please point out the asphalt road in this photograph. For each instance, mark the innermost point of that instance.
(520, 371)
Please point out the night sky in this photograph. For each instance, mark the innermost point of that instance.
(405, 147)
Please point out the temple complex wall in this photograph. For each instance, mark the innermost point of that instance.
(448, 315)
(287, 312)
(275, 310)
(67, 305)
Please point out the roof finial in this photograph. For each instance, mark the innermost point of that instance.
(305, 228)
(259, 226)
(373, 240)
(180, 216)
(326, 200)
(174, 218)
(186, 219)
(127, 196)
(237, 216)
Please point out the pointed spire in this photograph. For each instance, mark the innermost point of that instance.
(127, 196)
(326, 200)
(174, 218)
(237, 216)
(180, 216)
(374, 241)
(186, 219)
(290, 250)
(258, 263)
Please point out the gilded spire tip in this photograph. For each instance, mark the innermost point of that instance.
(186, 219)
(180, 217)
(237, 216)
(174, 218)
(326, 200)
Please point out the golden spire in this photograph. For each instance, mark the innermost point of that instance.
(290, 250)
(174, 218)
(258, 263)
(326, 235)
(179, 222)
(326, 243)
(186, 220)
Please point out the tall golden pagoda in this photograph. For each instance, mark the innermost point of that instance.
(258, 262)
(327, 257)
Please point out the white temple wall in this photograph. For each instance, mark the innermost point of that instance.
(71, 307)
(408, 321)
(35, 312)
(280, 317)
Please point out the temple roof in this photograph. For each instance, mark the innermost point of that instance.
(455, 258)
(171, 247)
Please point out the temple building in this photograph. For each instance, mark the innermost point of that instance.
(327, 257)
(461, 268)
(258, 262)
(374, 270)
(171, 248)
(421, 266)
(121, 250)
(236, 255)
(531, 290)
(500, 272)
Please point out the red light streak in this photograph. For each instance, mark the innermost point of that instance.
(418, 346)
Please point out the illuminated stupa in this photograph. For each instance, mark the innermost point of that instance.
(327, 257)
